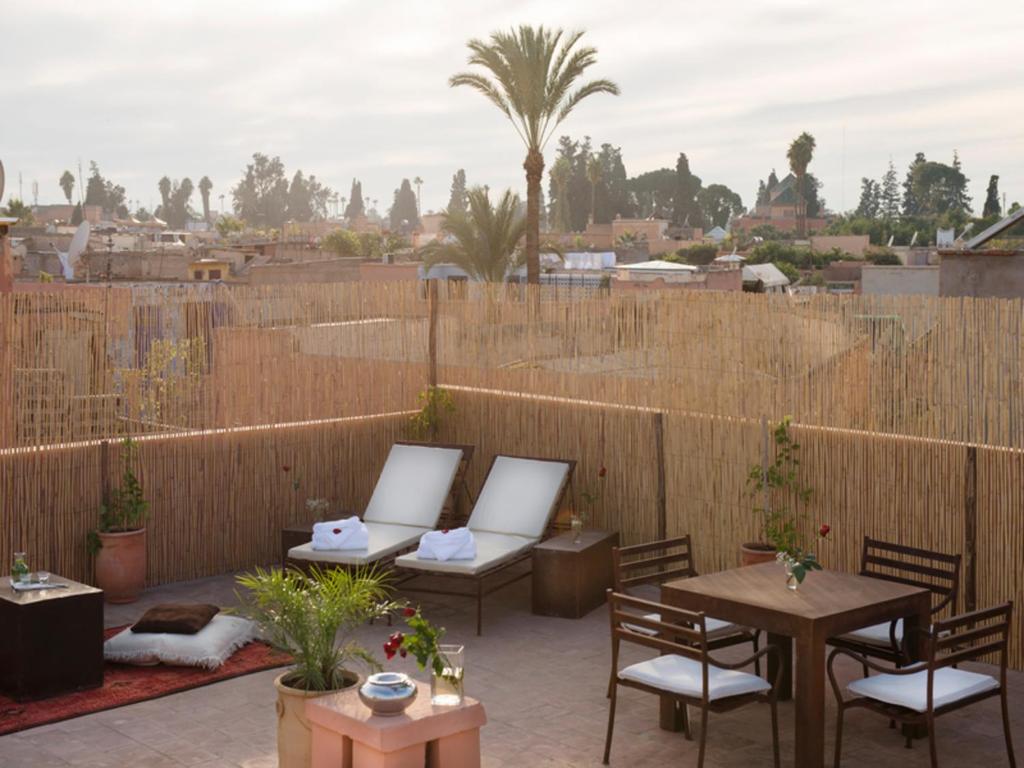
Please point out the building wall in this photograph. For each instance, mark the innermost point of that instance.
(719, 280)
(785, 224)
(899, 281)
(852, 244)
(389, 273)
(998, 274)
(324, 271)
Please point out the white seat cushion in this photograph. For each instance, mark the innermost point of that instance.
(413, 486)
(911, 691)
(209, 647)
(491, 549)
(712, 626)
(519, 496)
(877, 634)
(384, 540)
(682, 675)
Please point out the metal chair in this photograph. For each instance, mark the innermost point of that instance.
(917, 695)
(934, 571)
(685, 672)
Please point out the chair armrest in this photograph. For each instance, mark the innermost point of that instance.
(865, 661)
(768, 649)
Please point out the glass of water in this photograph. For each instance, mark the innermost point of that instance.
(43, 577)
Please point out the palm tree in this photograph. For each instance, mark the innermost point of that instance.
(594, 174)
(533, 81)
(67, 183)
(419, 183)
(205, 185)
(800, 153)
(484, 241)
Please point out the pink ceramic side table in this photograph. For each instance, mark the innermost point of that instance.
(347, 735)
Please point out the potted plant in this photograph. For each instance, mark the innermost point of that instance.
(119, 542)
(312, 617)
(792, 552)
(445, 661)
(776, 482)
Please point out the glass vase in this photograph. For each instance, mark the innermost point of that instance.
(791, 580)
(446, 688)
(19, 569)
(576, 525)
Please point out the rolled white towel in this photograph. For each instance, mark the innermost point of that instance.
(454, 544)
(350, 533)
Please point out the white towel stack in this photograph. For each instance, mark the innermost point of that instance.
(454, 544)
(350, 533)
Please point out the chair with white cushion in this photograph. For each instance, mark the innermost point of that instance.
(685, 672)
(657, 562)
(408, 500)
(917, 694)
(513, 512)
(935, 571)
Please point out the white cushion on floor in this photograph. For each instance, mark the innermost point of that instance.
(491, 549)
(911, 691)
(209, 647)
(384, 540)
(679, 674)
(413, 486)
(711, 625)
(877, 634)
(519, 496)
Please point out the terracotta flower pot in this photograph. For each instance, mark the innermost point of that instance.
(294, 736)
(755, 552)
(121, 565)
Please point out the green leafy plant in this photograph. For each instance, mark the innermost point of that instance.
(591, 496)
(779, 526)
(312, 617)
(423, 643)
(127, 508)
(434, 401)
(798, 558)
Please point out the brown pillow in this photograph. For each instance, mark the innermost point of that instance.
(176, 618)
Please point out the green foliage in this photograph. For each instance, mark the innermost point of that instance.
(355, 207)
(205, 185)
(313, 617)
(423, 644)
(67, 184)
(780, 479)
(697, 255)
(76, 215)
(175, 208)
(685, 209)
(992, 205)
(404, 215)
(485, 243)
(457, 198)
(883, 257)
(434, 401)
(229, 225)
(127, 508)
(767, 232)
(718, 204)
(343, 242)
(261, 197)
(791, 272)
(17, 209)
(104, 193)
(307, 198)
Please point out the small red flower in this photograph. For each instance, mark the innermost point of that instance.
(409, 612)
(286, 468)
(336, 531)
(602, 472)
(389, 652)
(397, 638)
(403, 653)
(824, 530)
(444, 530)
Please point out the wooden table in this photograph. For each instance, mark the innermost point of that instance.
(827, 604)
(569, 579)
(51, 641)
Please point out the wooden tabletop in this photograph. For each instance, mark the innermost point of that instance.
(34, 596)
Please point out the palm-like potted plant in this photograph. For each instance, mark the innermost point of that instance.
(119, 542)
(312, 617)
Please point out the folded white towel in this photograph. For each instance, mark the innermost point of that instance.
(350, 533)
(454, 544)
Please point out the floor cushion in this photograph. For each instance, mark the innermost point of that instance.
(176, 618)
(209, 647)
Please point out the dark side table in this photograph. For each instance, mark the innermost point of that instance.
(569, 580)
(51, 640)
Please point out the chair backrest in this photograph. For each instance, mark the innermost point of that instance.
(971, 636)
(520, 495)
(686, 629)
(652, 563)
(935, 571)
(414, 485)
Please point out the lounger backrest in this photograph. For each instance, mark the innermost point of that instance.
(413, 486)
(519, 496)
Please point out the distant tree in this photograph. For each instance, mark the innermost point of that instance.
(205, 185)
(175, 209)
(300, 204)
(76, 215)
(800, 154)
(403, 215)
(164, 186)
(457, 198)
(261, 197)
(229, 225)
(616, 183)
(814, 205)
(884, 257)
(342, 242)
(870, 199)
(1014, 207)
(889, 202)
(419, 183)
(718, 204)
(992, 205)
(560, 172)
(697, 255)
(938, 189)
(790, 271)
(911, 206)
(67, 183)
(595, 174)
(535, 76)
(579, 187)
(654, 191)
(773, 181)
(685, 210)
(355, 206)
(104, 193)
(17, 209)
(762, 193)
(485, 241)
(961, 200)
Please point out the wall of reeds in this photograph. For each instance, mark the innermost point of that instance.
(909, 412)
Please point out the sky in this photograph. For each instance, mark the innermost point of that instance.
(345, 90)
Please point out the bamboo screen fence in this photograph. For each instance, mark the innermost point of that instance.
(249, 400)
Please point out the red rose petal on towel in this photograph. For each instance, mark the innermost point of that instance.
(336, 531)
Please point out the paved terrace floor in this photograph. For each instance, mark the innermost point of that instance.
(543, 684)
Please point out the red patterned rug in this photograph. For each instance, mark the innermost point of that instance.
(124, 684)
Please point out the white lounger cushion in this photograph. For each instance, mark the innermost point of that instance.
(711, 626)
(384, 540)
(413, 486)
(911, 691)
(519, 496)
(877, 634)
(682, 675)
(491, 549)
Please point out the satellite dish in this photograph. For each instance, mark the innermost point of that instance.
(69, 259)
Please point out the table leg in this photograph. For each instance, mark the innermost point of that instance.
(670, 716)
(810, 702)
(915, 648)
(785, 658)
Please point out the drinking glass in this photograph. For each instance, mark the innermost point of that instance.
(43, 577)
(446, 688)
